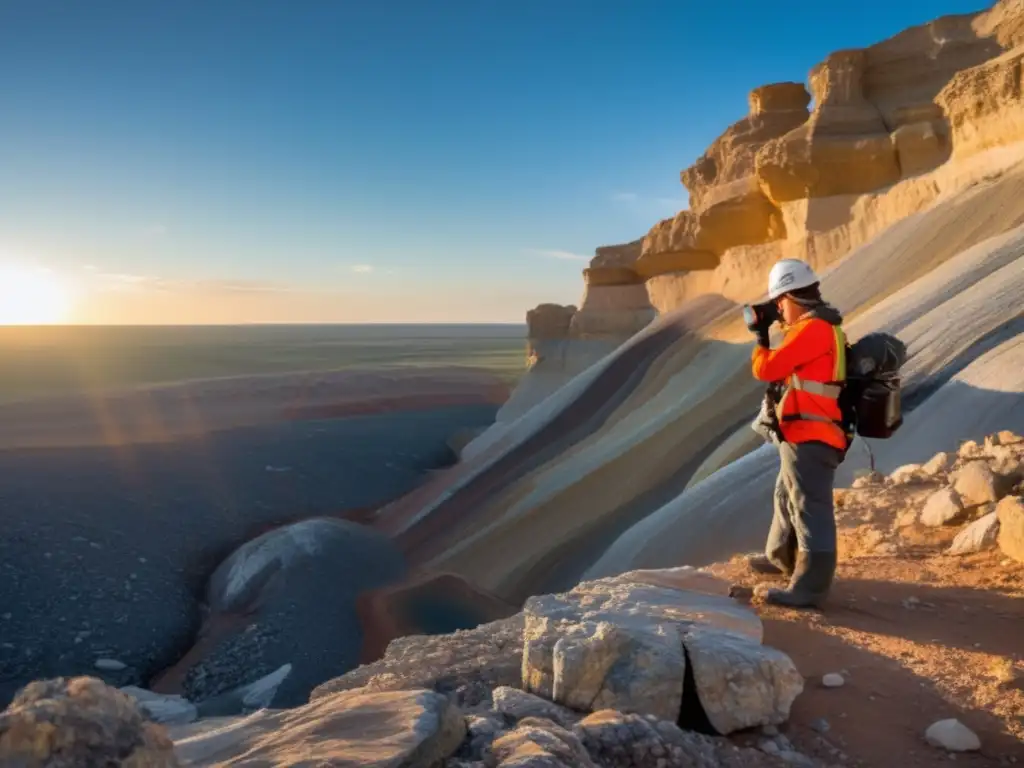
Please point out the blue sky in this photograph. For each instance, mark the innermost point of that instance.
(380, 161)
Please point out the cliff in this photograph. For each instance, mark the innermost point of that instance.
(788, 180)
(903, 186)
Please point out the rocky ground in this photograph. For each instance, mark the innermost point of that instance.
(926, 619)
(915, 661)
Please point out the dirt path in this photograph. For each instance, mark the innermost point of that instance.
(917, 634)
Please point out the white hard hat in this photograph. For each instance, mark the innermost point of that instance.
(789, 275)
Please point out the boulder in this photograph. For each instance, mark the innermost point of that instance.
(976, 483)
(844, 148)
(467, 664)
(740, 683)
(597, 664)
(519, 704)
(415, 728)
(981, 534)
(80, 721)
(617, 643)
(1011, 527)
(943, 508)
(298, 587)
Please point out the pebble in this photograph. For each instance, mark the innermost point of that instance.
(833, 680)
(110, 665)
(770, 730)
(952, 735)
(821, 725)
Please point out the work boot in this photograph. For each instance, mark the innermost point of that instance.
(811, 582)
(779, 561)
(762, 564)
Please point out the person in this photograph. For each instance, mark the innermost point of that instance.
(809, 369)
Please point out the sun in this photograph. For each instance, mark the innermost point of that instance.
(31, 296)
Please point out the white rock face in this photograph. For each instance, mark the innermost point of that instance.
(952, 735)
(981, 534)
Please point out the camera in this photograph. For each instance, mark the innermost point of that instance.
(760, 314)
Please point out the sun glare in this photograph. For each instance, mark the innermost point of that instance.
(31, 296)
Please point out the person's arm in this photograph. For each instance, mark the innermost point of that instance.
(804, 344)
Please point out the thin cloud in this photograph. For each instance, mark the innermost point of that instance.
(650, 206)
(130, 282)
(362, 269)
(556, 254)
(155, 230)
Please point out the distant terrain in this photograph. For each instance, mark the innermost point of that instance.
(48, 361)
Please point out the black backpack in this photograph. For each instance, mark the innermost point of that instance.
(870, 400)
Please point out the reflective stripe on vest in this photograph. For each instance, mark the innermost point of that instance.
(831, 391)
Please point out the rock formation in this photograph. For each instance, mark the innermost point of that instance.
(611, 661)
(844, 148)
(562, 341)
(615, 303)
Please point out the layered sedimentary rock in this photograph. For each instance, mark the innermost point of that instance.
(547, 491)
(615, 303)
(724, 191)
(843, 148)
(984, 104)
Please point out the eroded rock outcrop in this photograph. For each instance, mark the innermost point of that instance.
(615, 303)
(844, 148)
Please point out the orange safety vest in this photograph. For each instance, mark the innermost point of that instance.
(811, 361)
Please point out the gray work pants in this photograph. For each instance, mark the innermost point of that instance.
(804, 513)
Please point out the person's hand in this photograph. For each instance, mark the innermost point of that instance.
(759, 318)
